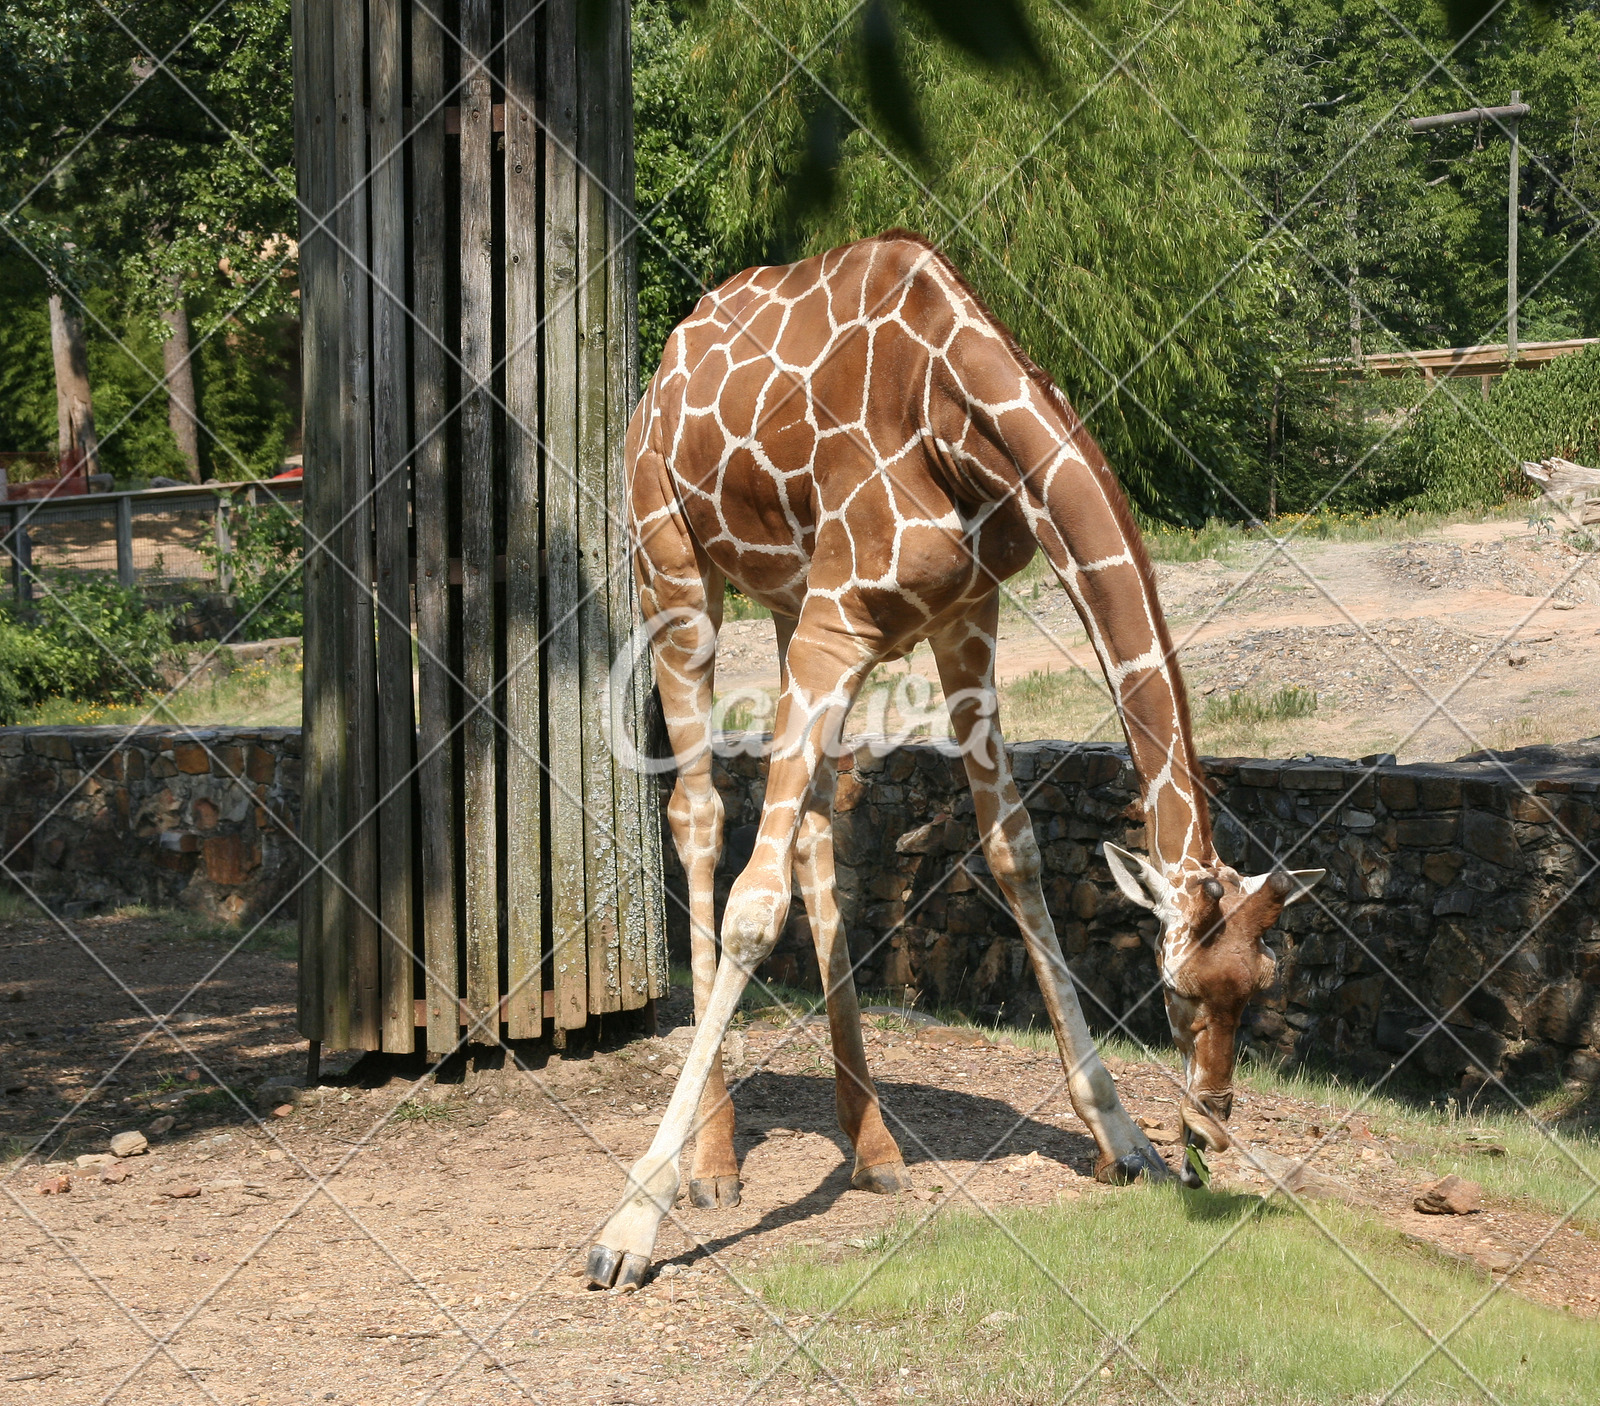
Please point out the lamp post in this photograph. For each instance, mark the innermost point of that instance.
(1511, 115)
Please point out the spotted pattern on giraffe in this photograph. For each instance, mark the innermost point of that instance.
(857, 443)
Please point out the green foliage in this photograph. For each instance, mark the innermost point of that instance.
(1288, 702)
(678, 165)
(241, 385)
(1217, 255)
(264, 563)
(134, 185)
(243, 398)
(27, 375)
(1087, 219)
(90, 639)
(1458, 452)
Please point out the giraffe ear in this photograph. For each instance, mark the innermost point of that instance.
(1140, 881)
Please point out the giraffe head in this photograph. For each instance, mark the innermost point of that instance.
(1213, 961)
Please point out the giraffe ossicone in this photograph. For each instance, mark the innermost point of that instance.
(858, 444)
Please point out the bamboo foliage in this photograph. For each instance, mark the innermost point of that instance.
(484, 863)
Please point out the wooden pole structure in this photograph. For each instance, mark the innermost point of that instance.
(484, 864)
(1511, 115)
(1513, 200)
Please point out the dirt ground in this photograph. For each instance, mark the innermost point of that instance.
(388, 1237)
(1381, 631)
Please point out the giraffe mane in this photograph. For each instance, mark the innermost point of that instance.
(1118, 499)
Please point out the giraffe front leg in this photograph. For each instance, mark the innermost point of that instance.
(620, 1255)
(808, 725)
(966, 671)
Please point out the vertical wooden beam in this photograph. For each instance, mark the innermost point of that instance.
(391, 441)
(593, 522)
(361, 1019)
(633, 965)
(125, 575)
(478, 512)
(321, 966)
(564, 730)
(1513, 206)
(524, 729)
(224, 541)
(436, 737)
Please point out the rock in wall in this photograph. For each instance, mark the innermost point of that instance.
(95, 817)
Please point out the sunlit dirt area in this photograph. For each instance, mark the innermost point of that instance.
(1483, 634)
(393, 1236)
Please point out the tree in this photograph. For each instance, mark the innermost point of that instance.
(155, 155)
(1082, 212)
(76, 441)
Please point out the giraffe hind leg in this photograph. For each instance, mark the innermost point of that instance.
(879, 1164)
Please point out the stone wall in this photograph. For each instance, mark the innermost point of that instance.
(94, 817)
(1438, 874)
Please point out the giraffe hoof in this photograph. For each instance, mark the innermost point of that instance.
(1120, 1171)
(614, 1269)
(883, 1180)
(712, 1193)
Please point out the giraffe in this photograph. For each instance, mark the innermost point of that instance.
(857, 443)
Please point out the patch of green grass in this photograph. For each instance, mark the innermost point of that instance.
(17, 907)
(1215, 539)
(250, 696)
(1242, 707)
(1220, 540)
(1052, 703)
(1549, 1159)
(738, 606)
(276, 938)
(1277, 1314)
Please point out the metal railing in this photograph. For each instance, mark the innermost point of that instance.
(154, 539)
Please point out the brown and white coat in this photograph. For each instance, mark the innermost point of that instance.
(857, 443)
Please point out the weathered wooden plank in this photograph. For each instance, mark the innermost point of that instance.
(524, 730)
(391, 441)
(633, 972)
(436, 737)
(320, 901)
(600, 838)
(354, 541)
(564, 730)
(480, 735)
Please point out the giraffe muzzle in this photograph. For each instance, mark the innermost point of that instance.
(1202, 1128)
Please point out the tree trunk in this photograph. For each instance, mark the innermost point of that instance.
(180, 383)
(74, 405)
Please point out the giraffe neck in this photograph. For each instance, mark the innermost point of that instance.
(1027, 440)
(1115, 596)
